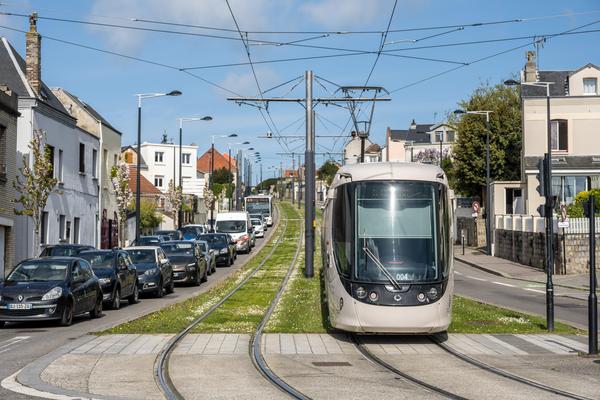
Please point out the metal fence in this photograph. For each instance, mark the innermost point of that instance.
(531, 223)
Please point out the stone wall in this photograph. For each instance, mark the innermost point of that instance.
(474, 231)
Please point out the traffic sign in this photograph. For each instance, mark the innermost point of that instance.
(475, 207)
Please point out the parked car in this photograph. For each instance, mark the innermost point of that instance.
(222, 245)
(209, 254)
(64, 250)
(232, 246)
(189, 264)
(50, 288)
(155, 240)
(155, 272)
(238, 225)
(117, 275)
(259, 227)
(172, 234)
(191, 232)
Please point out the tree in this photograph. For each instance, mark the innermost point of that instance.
(119, 175)
(327, 171)
(222, 175)
(149, 217)
(209, 197)
(34, 184)
(266, 184)
(505, 139)
(174, 197)
(575, 210)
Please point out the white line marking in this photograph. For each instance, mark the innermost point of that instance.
(535, 290)
(7, 344)
(503, 284)
(476, 278)
(458, 273)
(11, 383)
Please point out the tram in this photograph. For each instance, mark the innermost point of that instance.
(387, 249)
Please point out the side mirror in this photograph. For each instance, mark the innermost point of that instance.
(164, 261)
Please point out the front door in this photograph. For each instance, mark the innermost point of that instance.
(78, 289)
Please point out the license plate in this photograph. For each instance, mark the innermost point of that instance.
(178, 274)
(21, 306)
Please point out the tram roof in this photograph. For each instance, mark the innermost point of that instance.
(389, 171)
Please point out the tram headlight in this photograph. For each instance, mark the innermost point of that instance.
(432, 293)
(361, 293)
(421, 297)
(373, 296)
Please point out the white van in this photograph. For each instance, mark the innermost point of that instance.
(238, 225)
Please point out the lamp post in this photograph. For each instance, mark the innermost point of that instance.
(549, 204)
(488, 196)
(181, 121)
(237, 168)
(212, 170)
(143, 96)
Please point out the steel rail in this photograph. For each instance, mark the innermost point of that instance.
(161, 364)
(256, 343)
(497, 371)
(378, 361)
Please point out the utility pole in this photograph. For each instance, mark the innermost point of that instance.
(293, 180)
(238, 180)
(309, 154)
(592, 298)
(299, 182)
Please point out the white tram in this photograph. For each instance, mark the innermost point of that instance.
(387, 249)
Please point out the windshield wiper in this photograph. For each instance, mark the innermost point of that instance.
(381, 267)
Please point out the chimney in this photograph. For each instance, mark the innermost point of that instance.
(33, 50)
(530, 67)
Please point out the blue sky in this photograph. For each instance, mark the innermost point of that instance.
(109, 82)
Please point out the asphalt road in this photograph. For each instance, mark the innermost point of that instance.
(20, 344)
(570, 304)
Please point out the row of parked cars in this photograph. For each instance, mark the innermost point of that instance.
(69, 279)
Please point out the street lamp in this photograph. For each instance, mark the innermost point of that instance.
(212, 169)
(181, 121)
(237, 168)
(143, 96)
(549, 206)
(488, 199)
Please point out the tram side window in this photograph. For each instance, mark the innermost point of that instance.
(342, 231)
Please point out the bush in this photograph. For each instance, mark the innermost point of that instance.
(575, 210)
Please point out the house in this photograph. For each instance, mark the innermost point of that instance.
(419, 143)
(8, 169)
(93, 123)
(72, 213)
(575, 131)
(352, 150)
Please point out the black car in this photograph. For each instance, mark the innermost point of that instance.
(172, 234)
(64, 250)
(189, 264)
(155, 273)
(117, 275)
(50, 288)
(221, 244)
(150, 240)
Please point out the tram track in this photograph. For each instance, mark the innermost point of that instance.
(161, 365)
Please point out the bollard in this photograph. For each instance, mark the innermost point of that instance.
(462, 240)
(592, 300)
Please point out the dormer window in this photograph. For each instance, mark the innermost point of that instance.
(590, 86)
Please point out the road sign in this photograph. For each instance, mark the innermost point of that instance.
(563, 221)
(475, 207)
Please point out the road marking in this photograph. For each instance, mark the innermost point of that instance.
(6, 345)
(458, 273)
(535, 290)
(11, 383)
(476, 278)
(503, 284)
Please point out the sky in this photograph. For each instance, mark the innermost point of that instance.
(425, 76)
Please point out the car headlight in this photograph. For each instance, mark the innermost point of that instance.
(53, 294)
(224, 251)
(104, 281)
(191, 266)
(151, 271)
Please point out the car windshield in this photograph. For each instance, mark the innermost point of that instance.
(254, 205)
(256, 222)
(39, 271)
(214, 239)
(61, 251)
(98, 259)
(178, 249)
(231, 226)
(141, 255)
(190, 232)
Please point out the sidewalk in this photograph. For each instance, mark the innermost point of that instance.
(512, 270)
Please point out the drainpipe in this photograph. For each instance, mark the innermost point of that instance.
(100, 179)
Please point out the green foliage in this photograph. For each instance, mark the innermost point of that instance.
(218, 189)
(575, 210)
(450, 170)
(149, 217)
(222, 175)
(505, 138)
(266, 184)
(327, 171)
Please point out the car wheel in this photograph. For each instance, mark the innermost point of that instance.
(2, 323)
(171, 287)
(214, 267)
(67, 315)
(135, 296)
(197, 279)
(96, 312)
(116, 300)
(205, 276)
(229, 262)
(159, 290)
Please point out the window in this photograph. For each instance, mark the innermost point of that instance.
(128, 158)
(158, 156)
(94, 163)
(2, 152)
(560, 136)
(44, 228)
(439, 136)
(511, 197)
(50, 155)
(115, 158)
(59, 176)
(62, 220)
(450, 136)
(590, 86)
(567, 187)
(185, 158)
(81, 158)
(68, 232)
(76, 230)
(158, 181)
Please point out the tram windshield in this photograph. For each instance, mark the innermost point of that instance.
(396, 231)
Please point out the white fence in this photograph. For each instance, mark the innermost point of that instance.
(530, 223)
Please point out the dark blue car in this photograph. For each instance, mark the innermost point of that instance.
(155, 273)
